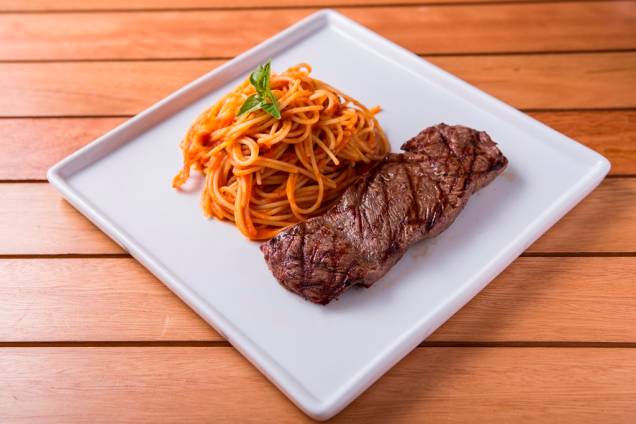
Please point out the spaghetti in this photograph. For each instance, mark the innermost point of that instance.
(264, 173)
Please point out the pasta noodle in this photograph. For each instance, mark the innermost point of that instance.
(264, 173)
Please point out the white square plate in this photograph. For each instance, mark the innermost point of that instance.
(323, 357)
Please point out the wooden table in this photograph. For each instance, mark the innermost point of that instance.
(88, 335)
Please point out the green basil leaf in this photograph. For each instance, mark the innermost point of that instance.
(256, 77)
(260, 77)
(252, 103)
(264, 98)
(269, 97)
(265, 76)
(272, 109)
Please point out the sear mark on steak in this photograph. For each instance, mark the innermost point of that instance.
(403, 199)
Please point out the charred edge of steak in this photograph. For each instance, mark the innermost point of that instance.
(313, 261)
(477, 152)
(405, 198)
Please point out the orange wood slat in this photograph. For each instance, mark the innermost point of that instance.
(521, 27)
(104, 88)
(35, 220)
(28, 147)
(107, 299)
(611, 133)
(603, 222)
(116, 299)
(180, 384)
(123, 5)
(551, 81)
(580, 81)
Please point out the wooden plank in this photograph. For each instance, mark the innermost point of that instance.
(110, 5)
(579, 81)
(550, 81)
(604, 222)
(35, 220)
(611, 133)
(28, 147)
(112, 299)
(105, 88)
(116, 299)
(186, 34)
(552, 299)
(503, 385)
(170, 384)
(63, 88)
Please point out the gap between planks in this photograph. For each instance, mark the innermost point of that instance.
(224, 343)
(126, 255)
(424, 55)
(42, 181)
(128, 115)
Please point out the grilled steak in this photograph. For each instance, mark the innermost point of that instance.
(403, 199)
